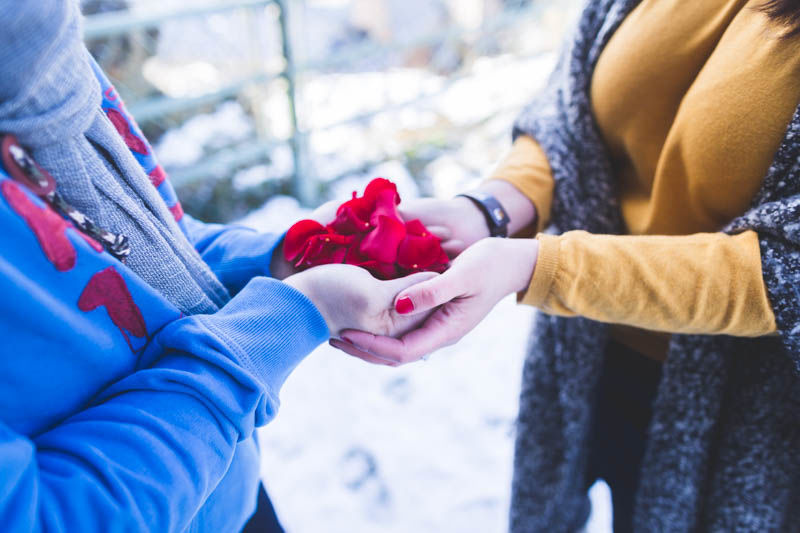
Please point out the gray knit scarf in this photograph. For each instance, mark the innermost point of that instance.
(723, 450)
(50, 99)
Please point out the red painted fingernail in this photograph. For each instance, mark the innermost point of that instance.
(404, 306)
(353, 344)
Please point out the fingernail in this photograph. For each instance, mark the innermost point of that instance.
(354, 345)
(404, 306)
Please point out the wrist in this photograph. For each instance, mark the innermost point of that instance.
(521, 256)
(521, 210)
(279, 267)
(304, 284)
(471, 216)
(323, 289)
(271, 354)
(493, 212)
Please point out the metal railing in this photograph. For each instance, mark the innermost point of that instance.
(105, 25)
(114, 23)
(304, 185)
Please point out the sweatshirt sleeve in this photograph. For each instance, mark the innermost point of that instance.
(149, 450)
(234, 253)
(526, 167)
(707, 283)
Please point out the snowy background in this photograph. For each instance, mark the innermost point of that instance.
(422, 92)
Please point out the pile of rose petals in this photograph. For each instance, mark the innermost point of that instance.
(367, 232)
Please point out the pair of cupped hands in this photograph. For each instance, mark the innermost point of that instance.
(400, 321)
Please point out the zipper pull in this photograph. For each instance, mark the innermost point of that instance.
(24, 169)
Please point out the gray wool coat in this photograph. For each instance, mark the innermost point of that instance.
(723, 450)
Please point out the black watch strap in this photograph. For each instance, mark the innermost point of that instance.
(496, 217)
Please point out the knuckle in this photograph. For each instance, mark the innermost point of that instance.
(430, 295)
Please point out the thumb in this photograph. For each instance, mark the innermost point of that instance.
(394, 286)
(427, 295)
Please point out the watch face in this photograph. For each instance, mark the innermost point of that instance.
(499, 215)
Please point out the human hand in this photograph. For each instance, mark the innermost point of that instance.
(349, 297)
(458, 299)
(459, 223)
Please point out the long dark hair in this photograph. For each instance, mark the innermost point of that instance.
(786, 12)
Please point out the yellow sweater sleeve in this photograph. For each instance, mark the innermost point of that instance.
(526, 167)
(707, 283)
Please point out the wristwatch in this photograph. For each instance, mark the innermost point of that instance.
(496, 217)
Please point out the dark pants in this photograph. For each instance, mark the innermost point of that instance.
(264, 520)
(623, 410)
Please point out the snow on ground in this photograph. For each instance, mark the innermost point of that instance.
(360, 448)
(424, 448)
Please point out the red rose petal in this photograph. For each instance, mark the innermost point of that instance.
(361, 207)
(415, 227)
(380, 270)
(368, 232)
(324, 250)
(383, 270)
(337, 256)
(297, 237)
(418, 252)
(348, 221)
(438, 267)
(381, 243)
(385, 206)
(421, 249)
(378, 185)
(354, 255)
(310, 249)
(376, 268)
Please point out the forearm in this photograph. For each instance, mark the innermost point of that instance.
(522, 212)
(523, 183)
(152, 447)
(696, 284)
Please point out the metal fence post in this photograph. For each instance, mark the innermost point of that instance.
(304, 185)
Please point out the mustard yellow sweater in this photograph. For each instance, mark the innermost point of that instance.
(692, 100)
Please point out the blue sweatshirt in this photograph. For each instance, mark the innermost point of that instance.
(118, 413)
